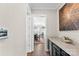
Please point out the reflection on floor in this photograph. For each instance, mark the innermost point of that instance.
(39, 49)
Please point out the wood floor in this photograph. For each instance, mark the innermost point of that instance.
(38, 49)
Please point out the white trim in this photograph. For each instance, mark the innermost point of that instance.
(58, 16)
(61, 6)
(38, 15)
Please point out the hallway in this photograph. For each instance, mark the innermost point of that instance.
(39, 49)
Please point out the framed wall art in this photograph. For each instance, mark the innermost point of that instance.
(69, 17)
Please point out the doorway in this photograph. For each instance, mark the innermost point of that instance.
(39, 28)
(40, 38)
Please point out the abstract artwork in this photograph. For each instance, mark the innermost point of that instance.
(69, 17)
(3, 33)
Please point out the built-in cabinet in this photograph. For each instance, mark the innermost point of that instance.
(55, 50)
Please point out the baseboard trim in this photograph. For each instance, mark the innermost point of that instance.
(30, 53)
(47, 51)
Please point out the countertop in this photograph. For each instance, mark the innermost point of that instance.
(71, 49)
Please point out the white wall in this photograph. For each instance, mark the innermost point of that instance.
(13, 16)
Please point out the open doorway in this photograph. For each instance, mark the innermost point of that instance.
(40, 38)
(39, 29)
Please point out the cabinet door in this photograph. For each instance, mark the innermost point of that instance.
(48, 44)
(50, 47)
(63, 53)
(55, 50)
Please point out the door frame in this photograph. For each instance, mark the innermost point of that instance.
(38, 15)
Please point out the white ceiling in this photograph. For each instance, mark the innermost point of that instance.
(45, 5)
